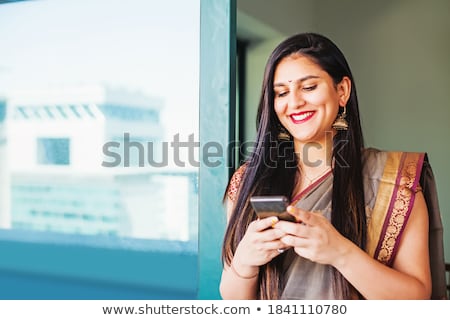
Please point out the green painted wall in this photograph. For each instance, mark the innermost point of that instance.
(255, 64)
(398, 52)
(217, 96)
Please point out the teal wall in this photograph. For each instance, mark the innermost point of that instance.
(217, 98)
(398, 52)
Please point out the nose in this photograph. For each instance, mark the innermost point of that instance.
(296, 99)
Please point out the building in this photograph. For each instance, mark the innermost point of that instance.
(59, 180)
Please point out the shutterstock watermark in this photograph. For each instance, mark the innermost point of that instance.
(188, 152)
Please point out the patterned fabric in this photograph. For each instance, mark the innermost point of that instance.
(395, 200)
(235, 182)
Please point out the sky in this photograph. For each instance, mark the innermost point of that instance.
(148, 46)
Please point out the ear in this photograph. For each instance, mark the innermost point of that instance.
(343, 89)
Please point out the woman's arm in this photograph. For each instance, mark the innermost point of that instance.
(258, 246)
(232, 285)
(236, 287)
(409, 278)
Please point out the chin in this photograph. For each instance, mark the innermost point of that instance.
(310, 138)
(303, 139)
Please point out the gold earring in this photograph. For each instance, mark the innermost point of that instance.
(283, 134)
(340, 123)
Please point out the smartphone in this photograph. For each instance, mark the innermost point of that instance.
(271, 206)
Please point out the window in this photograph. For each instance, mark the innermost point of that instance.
(97, 80)
(92, 107)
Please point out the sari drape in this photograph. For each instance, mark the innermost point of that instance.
(391, 181)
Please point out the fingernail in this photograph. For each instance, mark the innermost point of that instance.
(274, 221)
(291, 209)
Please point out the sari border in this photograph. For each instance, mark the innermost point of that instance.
(413, 188)
(382, 240)
(299, 195)
(400, 207)
(418, 171)
(384, 197)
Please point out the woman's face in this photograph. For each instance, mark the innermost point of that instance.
(306, 99)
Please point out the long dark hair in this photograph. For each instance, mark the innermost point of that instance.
(267, 173)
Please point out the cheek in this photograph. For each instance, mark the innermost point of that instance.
(320, 97)
(325, 94)
(280, 107)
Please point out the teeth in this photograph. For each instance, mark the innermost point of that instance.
(300, 117)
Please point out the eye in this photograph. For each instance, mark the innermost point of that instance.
(281, 94)
(310, 87)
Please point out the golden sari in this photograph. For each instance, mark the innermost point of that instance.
(404, 174)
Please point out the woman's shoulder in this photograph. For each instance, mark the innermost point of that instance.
(395, 167)
(374, 159)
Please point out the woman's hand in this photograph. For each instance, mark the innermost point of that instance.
(313, 237)
(258, 246)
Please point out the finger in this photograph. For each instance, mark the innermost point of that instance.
(304, 252)
(293, 241)
(307, 217)
(263, 224)
(296, 212)
(269, 249)
(297, 229)
(271, 234)
(273, 245)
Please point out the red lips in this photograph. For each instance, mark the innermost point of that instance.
(302, 117)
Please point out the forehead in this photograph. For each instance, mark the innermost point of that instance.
(296, 67)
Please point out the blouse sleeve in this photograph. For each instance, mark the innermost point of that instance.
(418, 188)
(235, 182)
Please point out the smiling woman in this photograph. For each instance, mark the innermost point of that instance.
(364, 212)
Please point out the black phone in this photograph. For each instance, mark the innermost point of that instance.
(271, 206)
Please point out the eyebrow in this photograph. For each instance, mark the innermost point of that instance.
(283, 84)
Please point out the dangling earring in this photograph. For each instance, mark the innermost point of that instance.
(340, 123)
(283, 134)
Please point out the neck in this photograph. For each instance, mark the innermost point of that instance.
(307, 179)
(314, 157)
(314, 161)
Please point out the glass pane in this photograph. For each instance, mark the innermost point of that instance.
(53, 151)
(99, 117)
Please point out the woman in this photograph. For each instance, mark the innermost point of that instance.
(352, 206)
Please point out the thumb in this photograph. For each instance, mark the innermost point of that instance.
(299, 214)
(263, 224)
